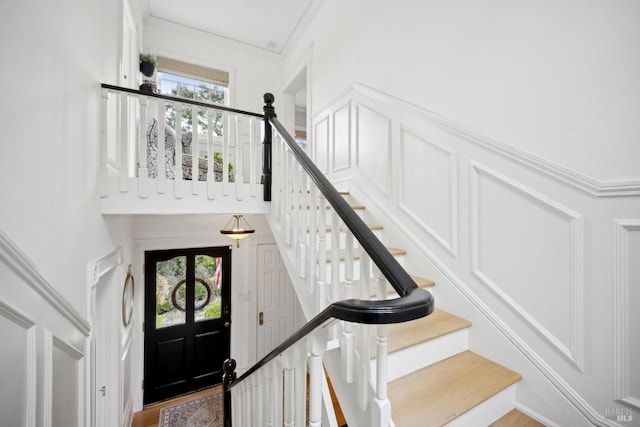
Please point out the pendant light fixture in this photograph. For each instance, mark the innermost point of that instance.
(237, 228)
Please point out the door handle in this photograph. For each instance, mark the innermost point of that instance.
(261, 318)
(226, 324)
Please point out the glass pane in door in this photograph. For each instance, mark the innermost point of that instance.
(208, 271)
(170, 292)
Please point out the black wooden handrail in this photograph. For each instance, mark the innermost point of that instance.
(413, 303)
(181, 100)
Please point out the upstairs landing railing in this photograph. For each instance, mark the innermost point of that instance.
(209, 150)
(324, 270)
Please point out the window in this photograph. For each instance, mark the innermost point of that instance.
(177, 78)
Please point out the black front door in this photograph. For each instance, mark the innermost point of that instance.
(187, 320)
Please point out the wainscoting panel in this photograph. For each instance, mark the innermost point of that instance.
(428, 186)
(18, 352)
(519, 244)
(67, 383)
(627, 326)
(541, 241)
(373, 133)
(342, 138)
(321, 147)
(44, 342)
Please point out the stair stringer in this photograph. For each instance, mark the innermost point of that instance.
(559, 403)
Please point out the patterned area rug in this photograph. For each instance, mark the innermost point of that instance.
(201, 412)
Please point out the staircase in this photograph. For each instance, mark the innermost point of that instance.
(434, 379)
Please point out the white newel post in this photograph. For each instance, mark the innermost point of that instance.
(317, 346)
(143, 174)
(104, 184)
(268, 392)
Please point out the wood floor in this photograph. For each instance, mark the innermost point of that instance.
(150, 415)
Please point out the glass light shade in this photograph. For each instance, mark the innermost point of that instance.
(237, 228)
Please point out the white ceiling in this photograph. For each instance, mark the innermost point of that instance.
(264, 24)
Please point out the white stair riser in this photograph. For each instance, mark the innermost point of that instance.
(412, 359)
(488, 411)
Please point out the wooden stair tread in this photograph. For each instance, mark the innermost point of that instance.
(439, 393)
(516, 418)
(406, 334)
(422, 282)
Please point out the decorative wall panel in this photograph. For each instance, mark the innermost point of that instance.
(321, 147)
(342, 138)
(428, 187)
(374, 147)
(542, 242)
(66, 384)
(627, 326)
(18, 353)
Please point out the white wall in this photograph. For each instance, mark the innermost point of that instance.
(253, 71)
(489, 140)
(56, 55)
(555, 78)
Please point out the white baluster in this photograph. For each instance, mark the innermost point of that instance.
(124, 142)
(239, 161)
(277, 399)
(364, 351)
(225, 153)
(381, 283)
(253, 188)
(348, 340)
(177, 152)
(269, 393)
(381, 408)
(289, 198)
(317, 346)
(302, 241)
(142, 149)
(259, 400)
(300, 384)
(313, 238)
(289, 388)
(195, 149)
(211, 177)
(161, 174)
(322, 254)
(335, 256)
(104, 184)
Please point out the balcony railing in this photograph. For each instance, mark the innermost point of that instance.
(210, 160)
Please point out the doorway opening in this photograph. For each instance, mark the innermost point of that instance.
(187, 320)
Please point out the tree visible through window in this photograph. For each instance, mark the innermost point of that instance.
(198, 90)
